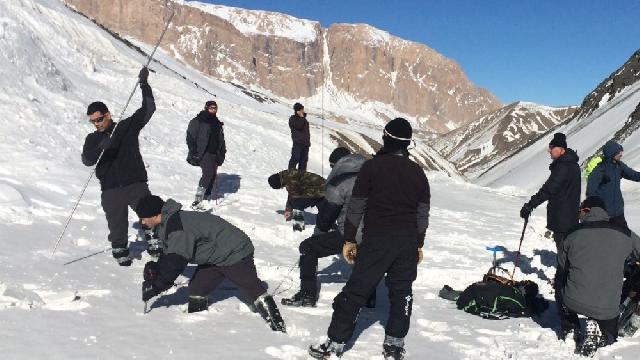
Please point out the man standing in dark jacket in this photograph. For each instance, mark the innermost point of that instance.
(207, 149)
(327, 240)
(123, 178)
(301, 138)
(562, 191)
(220, 250)
(392, 193)
(593, 254)
(604, 181)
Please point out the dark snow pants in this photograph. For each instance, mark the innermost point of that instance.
(312, 249)
(299, 156)
(243, 274)
(393, 255)
(209, 167)
(560, 278)
(115, 203)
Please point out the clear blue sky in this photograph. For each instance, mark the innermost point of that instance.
(551, 52)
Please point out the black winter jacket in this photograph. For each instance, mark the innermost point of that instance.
(562, 190)
(299, 130)
(121, 164)
(205, 134)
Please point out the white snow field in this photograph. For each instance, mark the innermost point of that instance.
(53, 62)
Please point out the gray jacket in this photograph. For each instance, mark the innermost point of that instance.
(198, 238)
(338, 194)
(593, 254)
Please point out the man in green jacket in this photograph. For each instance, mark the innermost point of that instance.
(220, 250)
(305, 190)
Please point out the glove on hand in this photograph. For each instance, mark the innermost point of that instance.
(420, 256)
(149, 291)
(143, 76)
(150, 271)
(193, 160)
(349, 251)
(525, 212)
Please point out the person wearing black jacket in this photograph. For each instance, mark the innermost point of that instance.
(562, 191)
(207, 149)
(301, 138)
(392, 193)
(121, 171)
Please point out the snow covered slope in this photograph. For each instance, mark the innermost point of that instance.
(53, 62)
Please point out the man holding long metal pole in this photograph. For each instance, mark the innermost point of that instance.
(120, 168)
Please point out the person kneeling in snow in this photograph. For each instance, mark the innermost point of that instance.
(593, 255)
(220, 250)
(305, 189)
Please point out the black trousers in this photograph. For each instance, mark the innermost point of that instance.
(312, 249)
(115, 203)
(299, 157)
(209, 167)
(243, 274)
(560, 277)
(393, 255)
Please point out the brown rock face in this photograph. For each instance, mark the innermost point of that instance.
(292, 57)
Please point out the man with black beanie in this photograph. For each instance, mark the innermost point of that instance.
(207, 149)
(392, 193)
(220, 250)
(300, 137)
(562, 191)
(123, 178)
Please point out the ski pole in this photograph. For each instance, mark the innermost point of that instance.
(87, 256)
(515, 264)
(93, 171)
(275, 292)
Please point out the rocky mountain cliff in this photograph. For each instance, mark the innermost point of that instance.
(295, 59)
(480, 144)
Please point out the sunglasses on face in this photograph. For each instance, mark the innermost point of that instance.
(98, 119)
(212, 108)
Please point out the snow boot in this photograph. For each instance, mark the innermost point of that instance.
(197, 203)
(393, 348)
(198, 303)
(298, 220)
(267, 308)
(120, 252)
(632, 325)
(326, 350)
(592, 339)
(300, 299)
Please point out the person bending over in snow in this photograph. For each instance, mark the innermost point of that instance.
(327, 239)
(207, 149)
(392, 193)
(593, 255)
(604, 181)
(220, 250)
(562, 191)
(121, 171)
(305, 189)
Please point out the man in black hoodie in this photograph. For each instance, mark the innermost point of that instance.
(562, 191)
(116, 150)
(207, 149)
(301, 138)
(392, 193)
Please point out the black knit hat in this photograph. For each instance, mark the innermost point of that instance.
(297, 107)
(559, 140)
(275, 181)
(149, 206)
(338, 154)
(399, 129)
(97, 106)
(210, 103)
(591, 202)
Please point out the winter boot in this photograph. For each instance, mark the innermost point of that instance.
(198, 303)
(300, 299)
(630, 328)
(393, 348)
(326, 349)
(267, 308)
(197, 203)
(298, 220)
(120, 252)
(591, 340)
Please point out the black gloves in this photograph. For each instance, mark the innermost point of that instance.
(525, 211)
(143, 75)
(150, 271)
(149, 290)
(193, 159)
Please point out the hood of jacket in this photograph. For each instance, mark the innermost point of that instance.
(596, 214)
(611, 149)
(169, 208)
(348, 164)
